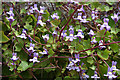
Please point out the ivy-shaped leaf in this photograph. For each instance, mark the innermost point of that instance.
(22, 11)
(55, 22)
(3, 38)
(103, 54)
(27, 26)
(23, 66)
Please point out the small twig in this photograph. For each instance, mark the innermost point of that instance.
(45, 68)
(105, 62)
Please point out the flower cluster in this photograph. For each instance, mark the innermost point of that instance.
(105, 24)
(14, 58)
(11, 14)
(115, 17)
(94, 14)
(39, 22)
(23, 34)
(55, 16)
(111, 73)
(73, 63)
(80, 17)
(91, 45)
(35, 8)
(34, 58)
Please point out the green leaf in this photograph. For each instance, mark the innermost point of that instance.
(19, 45)
(11, 68)
(103, 54)
(101, 8)
(55, 22)
(46, 15)
(89, 52)
(86, 44)
(107, 8)
(118, 72)
(34, 22)
(103, 69)
(14, 23)
(67, 78)
(89, 18)
(27, 26)
(93, 67)
(71, 11)
(23, 11)
(90, 60)
(50, 39)
(8, 52)
(110, 3)
(48, 45)
(100, 33)
(114, 47)
(3, 38)
(98, 21)
(54, 46)
(78, 47)
(37, 39)
(1, 10)
(4, 47)
(58, 78)
(23, 66)
(115, 31)
(58, 4)
(51, 51)
(94, 5)
(29, 19)
(50, 55)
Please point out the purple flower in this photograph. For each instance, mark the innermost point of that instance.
(77, 59)
(84, 20)
(14, 58)
(114, 65)
(105, 24)
(44, 52)
(91, 33)
(24, 31)
(11, 19)
(54, 34)
(80, 34)
(35, 7)
(55, 16)
(34, 58)
(101, 43)
(71, 36)
(115, 17)
(94, 14)
(95, 75)
(79, 16)
(39, 22)
(31, 48)
(81, 9)
(71, 28)
(30, 10)
(93, 41)
(10, 12)
(23, 34)
(84, 76)
(71, 65)
(41, 10)
(46, 37)
(63, 34)
(110, 74)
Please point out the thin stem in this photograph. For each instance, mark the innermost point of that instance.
(68, 22)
